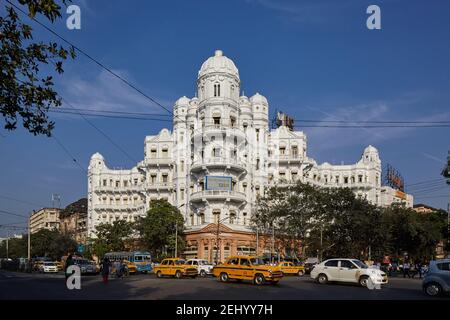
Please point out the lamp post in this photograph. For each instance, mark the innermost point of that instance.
(217, 238)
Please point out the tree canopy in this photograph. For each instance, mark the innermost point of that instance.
(157, 228)
(334, 222)
(26, 82)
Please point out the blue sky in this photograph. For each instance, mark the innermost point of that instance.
(311, 59)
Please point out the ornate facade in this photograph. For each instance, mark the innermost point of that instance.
(220, 156)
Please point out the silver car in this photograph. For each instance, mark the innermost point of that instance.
(437, 280)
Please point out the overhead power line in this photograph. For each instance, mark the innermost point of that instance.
(103, 134)
(22, 201)
(12, 214)
(69, 154)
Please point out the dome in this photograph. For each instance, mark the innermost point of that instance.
(258, 99)
(183, 101)
(370, 149)
(218, 64)
(97, 156)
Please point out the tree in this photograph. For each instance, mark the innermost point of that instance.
(26, 92)
(157, 228)
(51, 243)
(115, 236)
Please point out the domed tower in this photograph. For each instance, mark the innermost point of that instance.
(216, 170)
(218, 78)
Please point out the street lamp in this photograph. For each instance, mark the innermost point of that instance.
(217, 238)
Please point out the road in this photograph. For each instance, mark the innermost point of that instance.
(52, 286)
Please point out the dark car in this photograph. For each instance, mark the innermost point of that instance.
(309, 264)
(437, 279)
(86, 266)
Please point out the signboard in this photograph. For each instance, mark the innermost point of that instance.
(400, 195)
(218, 183)
(80, 248)
(393, 178)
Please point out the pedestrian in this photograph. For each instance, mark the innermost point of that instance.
(419, 269)
(406, 267)
(105, 270)
(69, 262)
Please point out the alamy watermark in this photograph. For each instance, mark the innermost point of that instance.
(74, 280)
(73, 21)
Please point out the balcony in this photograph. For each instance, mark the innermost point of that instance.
(158, 186)
(119, 207)
(224, 195)
(113, 189)
(158, 162)
(217, 129)
(293, 158)
(217, 162)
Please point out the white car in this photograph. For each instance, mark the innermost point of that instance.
(203, 266)
(347, 270)
(49, 267)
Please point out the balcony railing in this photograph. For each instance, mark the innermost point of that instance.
(132, 207)
(121, 189)
(219, 194)
(158, 161)
(158, 185)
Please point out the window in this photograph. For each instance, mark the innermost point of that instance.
(244, 215)
(443, 266)
(217, 90)
(165, 153)
(232, 217)
(117, 184)
(332, 263)
(336, 179)
(294, 176)
(244, 262)
(125, 183)
(234, 261)
(257, 134)
(282, 175)
(347, 264)
(360, 178)
(192, 219)
(153, 178)
(104, 182)
(345, 179)
(232, 121)
(181, 137)
(202, 218)
(164, 178)
(153, 154)
(294, 151)
(135, 181)
(182, 166)
(257, 164)
(182, 194)
(282, 151)
(216, 121)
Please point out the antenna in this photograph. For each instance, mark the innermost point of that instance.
(56, 198)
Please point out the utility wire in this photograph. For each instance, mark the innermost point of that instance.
(68, 153)
(13, 214)
(92, 59)
(103, 134)
(23, 201)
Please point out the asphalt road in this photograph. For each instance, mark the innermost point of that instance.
(52, 286)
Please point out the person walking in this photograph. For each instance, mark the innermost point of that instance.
(419, 269)
(69, 262)
(406, 268)
(105, 270)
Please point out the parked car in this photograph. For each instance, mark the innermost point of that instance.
(48, 267)
(437, 279)
(247, 268)
(347, 270)
(204, 268)
(309, 264)
(86, 266)
(289, 268)
(175, 267)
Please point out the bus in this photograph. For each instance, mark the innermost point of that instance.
(137, 261)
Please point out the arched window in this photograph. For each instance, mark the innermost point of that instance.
(217, 90)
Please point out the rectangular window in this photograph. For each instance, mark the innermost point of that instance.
(182, 166)
(125, 183)
(282, 151)
(104, 182)
(153, 154)
(294, 151)
(257, 134)
(182, 194)
(165, 153)
(164, 178)
(117, 184)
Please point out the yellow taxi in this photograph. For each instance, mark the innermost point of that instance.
(175, 267)
(247, 268)
(289, 268)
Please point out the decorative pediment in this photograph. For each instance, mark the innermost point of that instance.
(212, 228)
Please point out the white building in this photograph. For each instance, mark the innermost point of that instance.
(219, 157)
